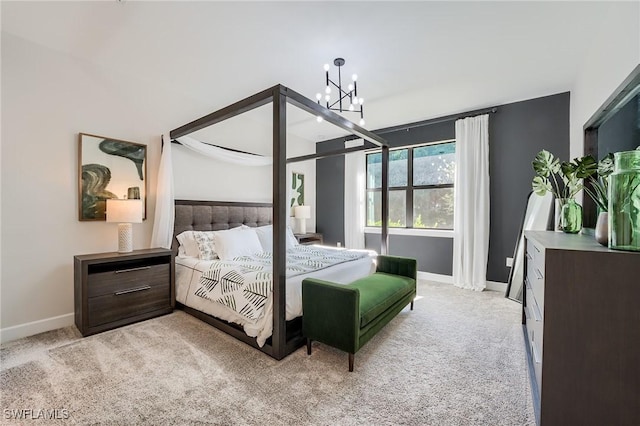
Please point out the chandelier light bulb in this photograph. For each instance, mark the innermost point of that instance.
(351, 108)
(362, 121)
(360, 101)
(354, 77)
(319, 119)
(354, 100)
(327, 90)
(326, 67)
(350, 87)
(327, 98)
(318, 96)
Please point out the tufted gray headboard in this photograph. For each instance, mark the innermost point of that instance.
(217, 215)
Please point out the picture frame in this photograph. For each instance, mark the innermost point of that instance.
(109, 168)
(297, 190)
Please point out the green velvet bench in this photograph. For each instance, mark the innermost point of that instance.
(346, 316)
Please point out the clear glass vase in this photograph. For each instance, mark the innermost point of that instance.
(624, 202)
(571, 216)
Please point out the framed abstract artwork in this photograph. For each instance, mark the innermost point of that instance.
(297, 190)
(109, 168)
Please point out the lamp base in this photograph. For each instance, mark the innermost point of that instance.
(125, 238)
(303, 226)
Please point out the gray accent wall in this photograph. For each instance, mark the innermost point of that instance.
(434, 254)
(517, 132)
(330, 194)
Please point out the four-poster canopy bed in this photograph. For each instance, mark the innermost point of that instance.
(202, 215)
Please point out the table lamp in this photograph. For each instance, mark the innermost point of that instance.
(124, 213)
(302, 213)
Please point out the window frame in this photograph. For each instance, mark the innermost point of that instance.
(409, 189)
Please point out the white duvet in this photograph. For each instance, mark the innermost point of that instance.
(190, 270)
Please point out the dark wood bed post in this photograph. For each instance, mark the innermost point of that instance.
(384, 242)
(280, 217)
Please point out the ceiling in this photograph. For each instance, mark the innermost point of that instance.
(415, 60)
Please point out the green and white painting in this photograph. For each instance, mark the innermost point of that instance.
(297, 190)
(109, 168)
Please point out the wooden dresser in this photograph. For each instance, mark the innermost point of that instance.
(115, 289)
(581, 321)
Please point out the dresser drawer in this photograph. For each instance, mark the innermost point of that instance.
(535, 278)
(125, 278)
(128, 303)
(534, 315)
(535, 256)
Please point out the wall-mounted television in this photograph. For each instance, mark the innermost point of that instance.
(614, 127)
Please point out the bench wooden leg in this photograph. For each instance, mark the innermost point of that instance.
(350, 362)
(412, 305)
(308, 346)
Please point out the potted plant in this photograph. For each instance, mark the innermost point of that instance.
(598, 191)
(564, 181)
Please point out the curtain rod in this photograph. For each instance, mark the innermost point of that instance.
(446, 118)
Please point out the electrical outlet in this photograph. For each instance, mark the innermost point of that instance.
(509, 262)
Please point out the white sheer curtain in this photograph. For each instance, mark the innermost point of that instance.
(225, 155)
(471, 204)
(354, 194)
(165, 210)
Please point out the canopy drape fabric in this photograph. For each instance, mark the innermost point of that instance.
(165, 211)
(225, 155)
(471, 204)
(354, 196)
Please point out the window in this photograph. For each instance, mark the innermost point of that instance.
(421, 182)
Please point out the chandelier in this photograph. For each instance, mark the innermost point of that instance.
(343, 100)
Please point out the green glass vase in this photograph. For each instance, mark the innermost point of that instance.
(571, 216)
(624, 202)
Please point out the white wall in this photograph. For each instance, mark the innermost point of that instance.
(47, 99)
(615, 53)
(200, 178)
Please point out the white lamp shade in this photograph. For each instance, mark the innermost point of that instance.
(302, 212)
(124, 211)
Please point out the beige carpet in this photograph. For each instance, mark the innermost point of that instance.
(457, 359)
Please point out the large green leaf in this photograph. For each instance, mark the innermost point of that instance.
(541, 185)
(544, 164)
(605, 166)
(585, 167)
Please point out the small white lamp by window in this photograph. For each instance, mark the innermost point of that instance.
(302, 213)
(124, 213)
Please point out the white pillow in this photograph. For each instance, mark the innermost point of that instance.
(203, 241)
(234, 244)
(206, 245)
(265, 235)
(292, 241)
(188, 244)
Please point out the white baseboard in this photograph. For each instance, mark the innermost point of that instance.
(440, 278)
(29, 329)
(448, 279)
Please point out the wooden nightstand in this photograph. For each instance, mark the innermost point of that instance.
(115, 289)
(309, 238)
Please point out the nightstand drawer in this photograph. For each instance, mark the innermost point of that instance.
(126, 277)
(307, 239)
(127, 303)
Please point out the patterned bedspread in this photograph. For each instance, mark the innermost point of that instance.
(244, 284)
